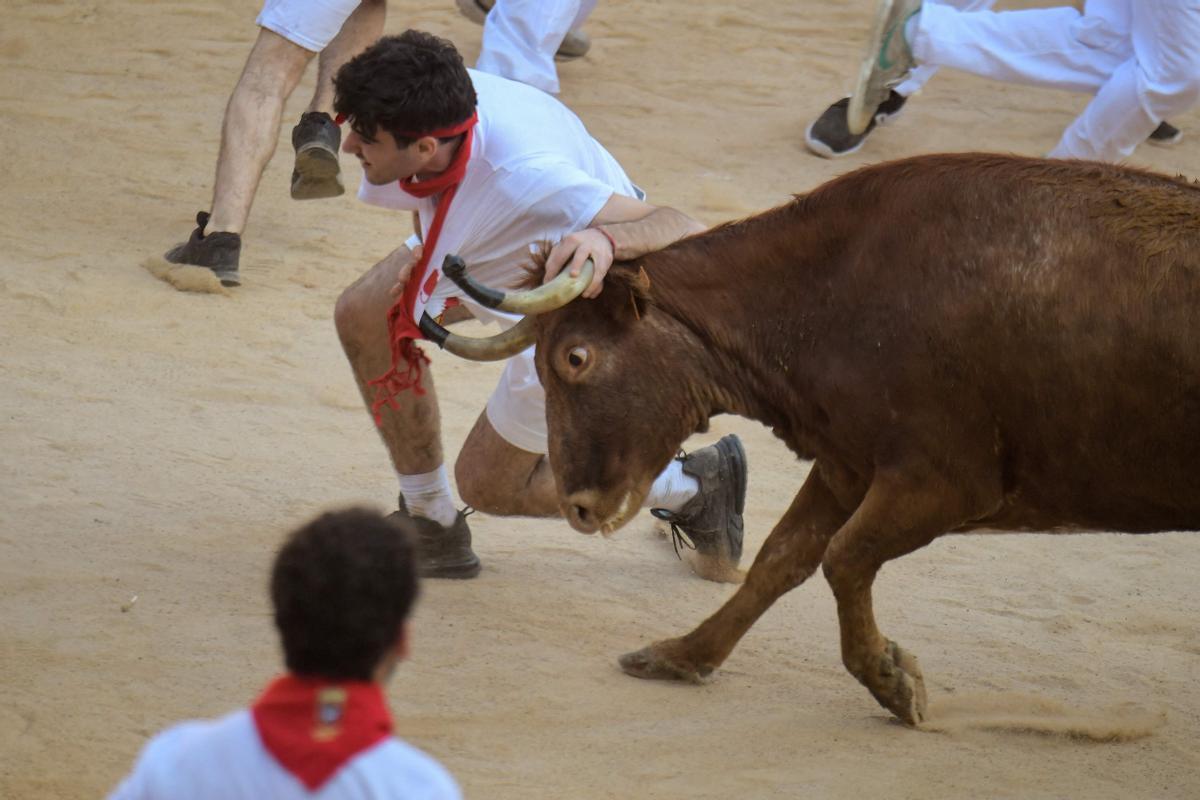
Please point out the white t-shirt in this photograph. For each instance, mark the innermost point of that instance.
(535, 175)
(226, 759)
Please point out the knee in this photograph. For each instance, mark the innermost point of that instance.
(350, 317)
(475, 487)
(1172, 90)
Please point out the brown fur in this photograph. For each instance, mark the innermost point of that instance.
(960, 342)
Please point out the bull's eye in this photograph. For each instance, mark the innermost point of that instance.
(577, 357)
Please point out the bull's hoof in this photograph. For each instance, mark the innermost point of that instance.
(663, 661)
(898, 684)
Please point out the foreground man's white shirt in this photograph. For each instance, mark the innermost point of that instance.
(225, 758)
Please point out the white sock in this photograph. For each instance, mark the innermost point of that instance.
(428, 495)
(672, 488)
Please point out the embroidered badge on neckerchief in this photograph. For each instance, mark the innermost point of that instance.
(407, 358)
(312, 727)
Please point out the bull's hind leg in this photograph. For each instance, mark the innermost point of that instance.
(899, 514)
(787, 558)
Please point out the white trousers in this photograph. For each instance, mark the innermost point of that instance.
(921, 75)
(520, 38)
(1140, 58)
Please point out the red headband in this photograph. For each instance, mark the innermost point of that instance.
(440, 133)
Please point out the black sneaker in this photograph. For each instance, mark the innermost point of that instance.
(217, 251)
(711, 522)
(1165, 135)
(829, 136)
(442, 552)
(316, 139)
(574, 45)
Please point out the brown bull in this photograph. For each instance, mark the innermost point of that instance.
(960, 343)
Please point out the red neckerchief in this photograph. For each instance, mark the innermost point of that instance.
(313, 727)
(407, 358)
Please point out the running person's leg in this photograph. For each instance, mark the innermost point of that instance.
(1161, 79)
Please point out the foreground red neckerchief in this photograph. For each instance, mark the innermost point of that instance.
(313, 727)
(407, 358)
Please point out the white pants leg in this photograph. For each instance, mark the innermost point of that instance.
(921, 75)
(1161, 79)
(520, 38)
(1054, 47)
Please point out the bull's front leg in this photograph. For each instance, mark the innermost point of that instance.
(788, 557)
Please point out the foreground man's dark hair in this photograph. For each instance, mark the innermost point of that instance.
(341, 587)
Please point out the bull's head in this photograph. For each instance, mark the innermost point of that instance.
(624, 386)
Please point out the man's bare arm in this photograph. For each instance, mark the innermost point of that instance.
(625, 228)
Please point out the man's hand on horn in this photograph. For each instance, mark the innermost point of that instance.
(578, 247)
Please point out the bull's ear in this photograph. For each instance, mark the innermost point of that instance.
(632, 284)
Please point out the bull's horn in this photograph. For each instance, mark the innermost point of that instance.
(555, 294)
(485, 348)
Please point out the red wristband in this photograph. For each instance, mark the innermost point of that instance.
(611, 241)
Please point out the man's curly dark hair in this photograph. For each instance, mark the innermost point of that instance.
(411, 83)
(341, 587)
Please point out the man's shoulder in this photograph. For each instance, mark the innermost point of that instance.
(192, 732)
(410, 769)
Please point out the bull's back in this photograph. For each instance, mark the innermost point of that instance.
(1053, 312)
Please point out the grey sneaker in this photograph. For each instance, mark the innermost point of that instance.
(219, 251)
(829, 137)
(316, 140)
(442, 552)
(574, 45)
(886, 61)
(1165, 135)
(711, 522)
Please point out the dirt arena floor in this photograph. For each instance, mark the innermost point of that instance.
(157, 444)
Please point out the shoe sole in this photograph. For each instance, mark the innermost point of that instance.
(1174, 140)
(732, 447)
(858, 113)
(317, 174)
(227, 277)
(460, 570)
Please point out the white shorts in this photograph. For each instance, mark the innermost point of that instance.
(311, 24)
(517, 407)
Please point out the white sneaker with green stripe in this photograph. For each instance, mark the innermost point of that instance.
(886, 62)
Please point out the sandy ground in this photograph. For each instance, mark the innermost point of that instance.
(157, 444)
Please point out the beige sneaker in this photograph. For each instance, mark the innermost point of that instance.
(886, 62)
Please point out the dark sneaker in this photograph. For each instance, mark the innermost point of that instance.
(219, 252)
(316, 139)
(574, 45)
(829, 137)
(1165, 135)
(442, 552)
(886, 61)
(711, 522)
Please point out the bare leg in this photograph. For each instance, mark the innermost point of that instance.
(788, 557)
(251, 126)
(360, 30)
(412, 431)
(499, 478)
(903, 511)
